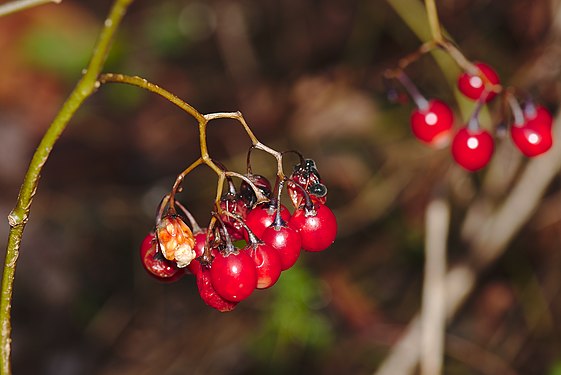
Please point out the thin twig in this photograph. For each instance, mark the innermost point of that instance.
(19, 215)
(16, 6)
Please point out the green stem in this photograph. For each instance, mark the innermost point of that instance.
(19, 215)
(16, 6)
(434, 22)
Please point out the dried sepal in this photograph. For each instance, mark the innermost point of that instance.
(176, 240)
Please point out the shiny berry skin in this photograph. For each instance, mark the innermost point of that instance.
(473, 86)
(154, 262)
(208, 293)
(317, 227)
(286, 241)
(472, 149)
(267, 263)
(200, 238)
(233, 276)
(534, 136)
(432, 125)
(262, 216)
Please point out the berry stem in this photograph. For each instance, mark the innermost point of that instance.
(515, 109)
(278, 218)
(473, 122)
(180, 179)
(20, 214)
(421, 102)
(194, 225)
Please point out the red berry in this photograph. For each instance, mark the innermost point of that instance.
(200, 239)
(154, 262)
(473, 86)
(262, 216)
(286, 241)
(233, 276)
(209, 295)
(472, 149)
(534, 136)
(432, 125)
(267, 262)
(317, 227)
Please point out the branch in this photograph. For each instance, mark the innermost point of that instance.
(19, 215)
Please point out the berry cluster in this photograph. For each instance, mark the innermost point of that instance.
(251, 238)
(472, 146)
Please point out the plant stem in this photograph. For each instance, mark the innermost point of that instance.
(16, 6)
(19, 215)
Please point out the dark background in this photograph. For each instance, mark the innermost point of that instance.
(307, 76)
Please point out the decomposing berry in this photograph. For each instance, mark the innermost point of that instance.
(176, 240)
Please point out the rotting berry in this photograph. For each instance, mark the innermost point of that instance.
(246, 191)
(176, 240)
(307, 176)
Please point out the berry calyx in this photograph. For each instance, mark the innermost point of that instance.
(317, 226)
(433, 123)
(209, 295)
(155, 264)
(472, 148)
(474, 86)
(233, 275)
(533, 137)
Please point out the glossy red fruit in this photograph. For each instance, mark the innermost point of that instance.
(267, 263)
(286, 241)
(262, 216)
(154, 262)
(472, 149)
(200, 238)
(473, 86)
(209, 295)
(233, 276)
(317, 227)
(534, 136)
(433, 124)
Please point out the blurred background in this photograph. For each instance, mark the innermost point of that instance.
(307, 76)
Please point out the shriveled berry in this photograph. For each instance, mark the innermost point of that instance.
(233, 276)
(472, 149)
(155, 264)
(235, 205)
(432, 125)
(247, 193)
(209, 294)
(317, 227)
(176, 240)
(307, 177)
